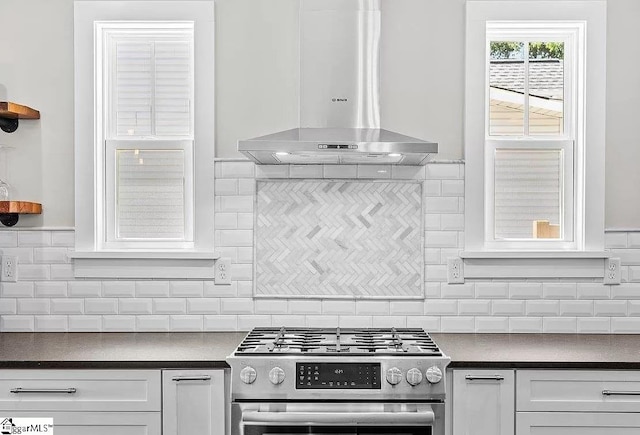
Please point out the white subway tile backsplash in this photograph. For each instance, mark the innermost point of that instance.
(33, 306)
(25, 255)
(355, 321)
(135, 306)
(288, 320)
(559, 290)
(452, 188)
(151, 289)
(628, 256)
(305, 306)
(226, 221)
(226, 186)
(118, 289)
(376, 308)
(8, 239)
(119, 323)
(593, 291)
(101, 306)
(203, 305)
(615, 240)
(474, 307)
(542, 308)
(457, 291)
(245, 255)
(34, 272)
(34, 238)
(235, 170)
(435, 273)
(220, 323)
(594, 325)
(322, 321)
(633, 308)
(62, 272)
(305, 171)
(576, 308)
(610, 308)
(525, 290)
(338, 306)
(85, 289)
(374, 171)
(85, 323)
(235, 204)
(67, 306)
(432, 256)
(236, 306)
(452, 221)
(18, 289)
(441, 239)
(432, 290)
(152, 323)
(428, 323)
(525, 324)
(248, 322)
(436, 307)
(408, 172)
(633, 239)
(507, 308)
(245, 221)
(212, 290)
(270, 306)
(432, 188)
(492, 324)
(50, 289)
(236, 237)
(242, 272)
(65, 239)
(492, 290)
(272, 171)
(51, 323)
(50, 255)
(457, 324)
(169, 306)
(186, 322)
(443, 171)
(633, 274)
(625, 325)
(407, 308)
(560, 325)
(389, 321)
(432, 222)
(245, 289)
(185, 289)
(17, 324)
(442, 204)
(8, 306)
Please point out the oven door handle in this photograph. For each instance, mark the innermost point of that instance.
(260, 418)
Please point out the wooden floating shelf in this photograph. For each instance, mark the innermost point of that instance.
(11, 112)
(11, 210)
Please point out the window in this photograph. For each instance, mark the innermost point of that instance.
(534, 126)
(144, 130)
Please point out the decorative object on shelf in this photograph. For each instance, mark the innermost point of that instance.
(10, 113)
(10, 211)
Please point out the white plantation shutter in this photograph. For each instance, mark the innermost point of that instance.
(528, 187)
(149, 89)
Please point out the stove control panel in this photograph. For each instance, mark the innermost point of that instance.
(321, 376)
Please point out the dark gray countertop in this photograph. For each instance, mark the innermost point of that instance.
(117, 350)
(541, 350)
(209, 349)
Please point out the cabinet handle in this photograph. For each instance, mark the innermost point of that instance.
(43, 390)
(191, 378)
(620, 393)
(484, 378)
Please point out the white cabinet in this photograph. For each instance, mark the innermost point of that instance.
(100, 423)
(577, 402)
(483, 402)
(96, 402)
(194, 402)
(577, 423)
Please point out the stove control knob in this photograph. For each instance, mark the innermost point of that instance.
(414, 377)
(276, 375)
(434, 375)
(248, 375)
(394, 376)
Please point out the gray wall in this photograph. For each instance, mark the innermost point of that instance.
(257, 79)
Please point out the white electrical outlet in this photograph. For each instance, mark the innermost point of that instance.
(223, 271)
(455, 271)
(612, 271)
(9, 268)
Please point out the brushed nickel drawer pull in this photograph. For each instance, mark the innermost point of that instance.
(192, 378)
(620, 393)
(484, 378)
(43, 390)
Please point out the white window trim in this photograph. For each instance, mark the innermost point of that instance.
(590, 193)
(88, 168)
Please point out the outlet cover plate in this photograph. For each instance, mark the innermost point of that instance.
(455, 271)
(223, 271)
(9, 272)
(612, 271)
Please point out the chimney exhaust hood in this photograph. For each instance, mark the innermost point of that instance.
(339, 95)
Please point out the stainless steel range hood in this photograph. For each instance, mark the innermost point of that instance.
(339, 95)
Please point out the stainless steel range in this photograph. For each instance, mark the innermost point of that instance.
(339, 381)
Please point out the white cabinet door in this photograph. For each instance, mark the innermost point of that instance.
(193, 402)
(577, 423)
(99, 423)
(483, 402)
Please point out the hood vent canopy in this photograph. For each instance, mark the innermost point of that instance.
(339, 95)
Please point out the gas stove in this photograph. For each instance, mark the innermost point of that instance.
(385, 364)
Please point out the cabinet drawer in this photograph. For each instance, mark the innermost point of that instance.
(577, 423)
(80, 390)
(578, 390)
(100, 423)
